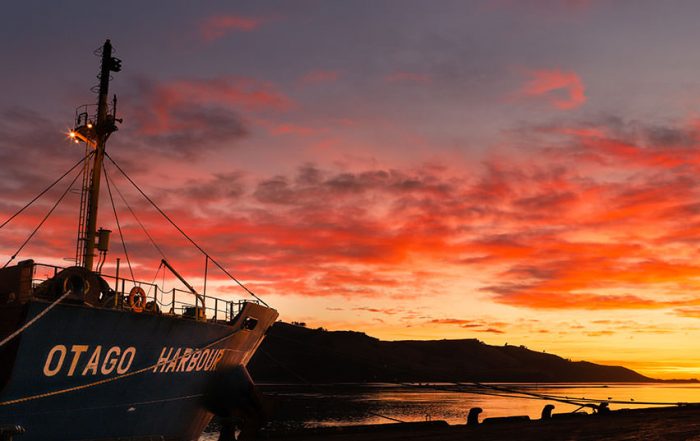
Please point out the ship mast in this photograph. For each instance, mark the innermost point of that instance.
(96, 134)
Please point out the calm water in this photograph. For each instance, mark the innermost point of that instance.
(311, 406)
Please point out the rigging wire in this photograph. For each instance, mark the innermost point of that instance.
(46, 189)
(119, 227)
(185, 234)
(43, 220)
(153, 283)
(133, 213)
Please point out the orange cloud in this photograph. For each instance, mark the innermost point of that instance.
(563, 90)
(472, 325)
(490, 330)
(214, 28)
(649, 147)
(688, 312)
(348, 233)
(532, 232)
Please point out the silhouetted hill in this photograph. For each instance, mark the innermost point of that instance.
(297, 354)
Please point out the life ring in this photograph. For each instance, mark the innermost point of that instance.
(137, 298)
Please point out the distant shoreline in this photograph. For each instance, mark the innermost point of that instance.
(298, 355)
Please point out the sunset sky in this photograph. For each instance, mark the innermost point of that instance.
(521, 172)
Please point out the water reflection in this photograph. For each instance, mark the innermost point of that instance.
(329, 405)
(296, 406)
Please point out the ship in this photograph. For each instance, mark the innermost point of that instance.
(89, 356)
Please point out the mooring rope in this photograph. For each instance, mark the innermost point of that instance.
(58, 300)
(579, 401)
(117, 405)
(35, 319)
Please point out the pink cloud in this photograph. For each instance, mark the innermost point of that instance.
(216, 27)
(293, 129)
(563, 90)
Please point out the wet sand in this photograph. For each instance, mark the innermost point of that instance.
(668, 423)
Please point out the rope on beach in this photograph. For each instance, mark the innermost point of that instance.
(396, 420)
(477, 388)
(578, 401)
(118, 377)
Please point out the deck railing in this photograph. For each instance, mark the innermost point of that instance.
(173, 301)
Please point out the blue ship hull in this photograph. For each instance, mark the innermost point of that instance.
(85, 373)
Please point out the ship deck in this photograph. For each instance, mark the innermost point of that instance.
(665, 423)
